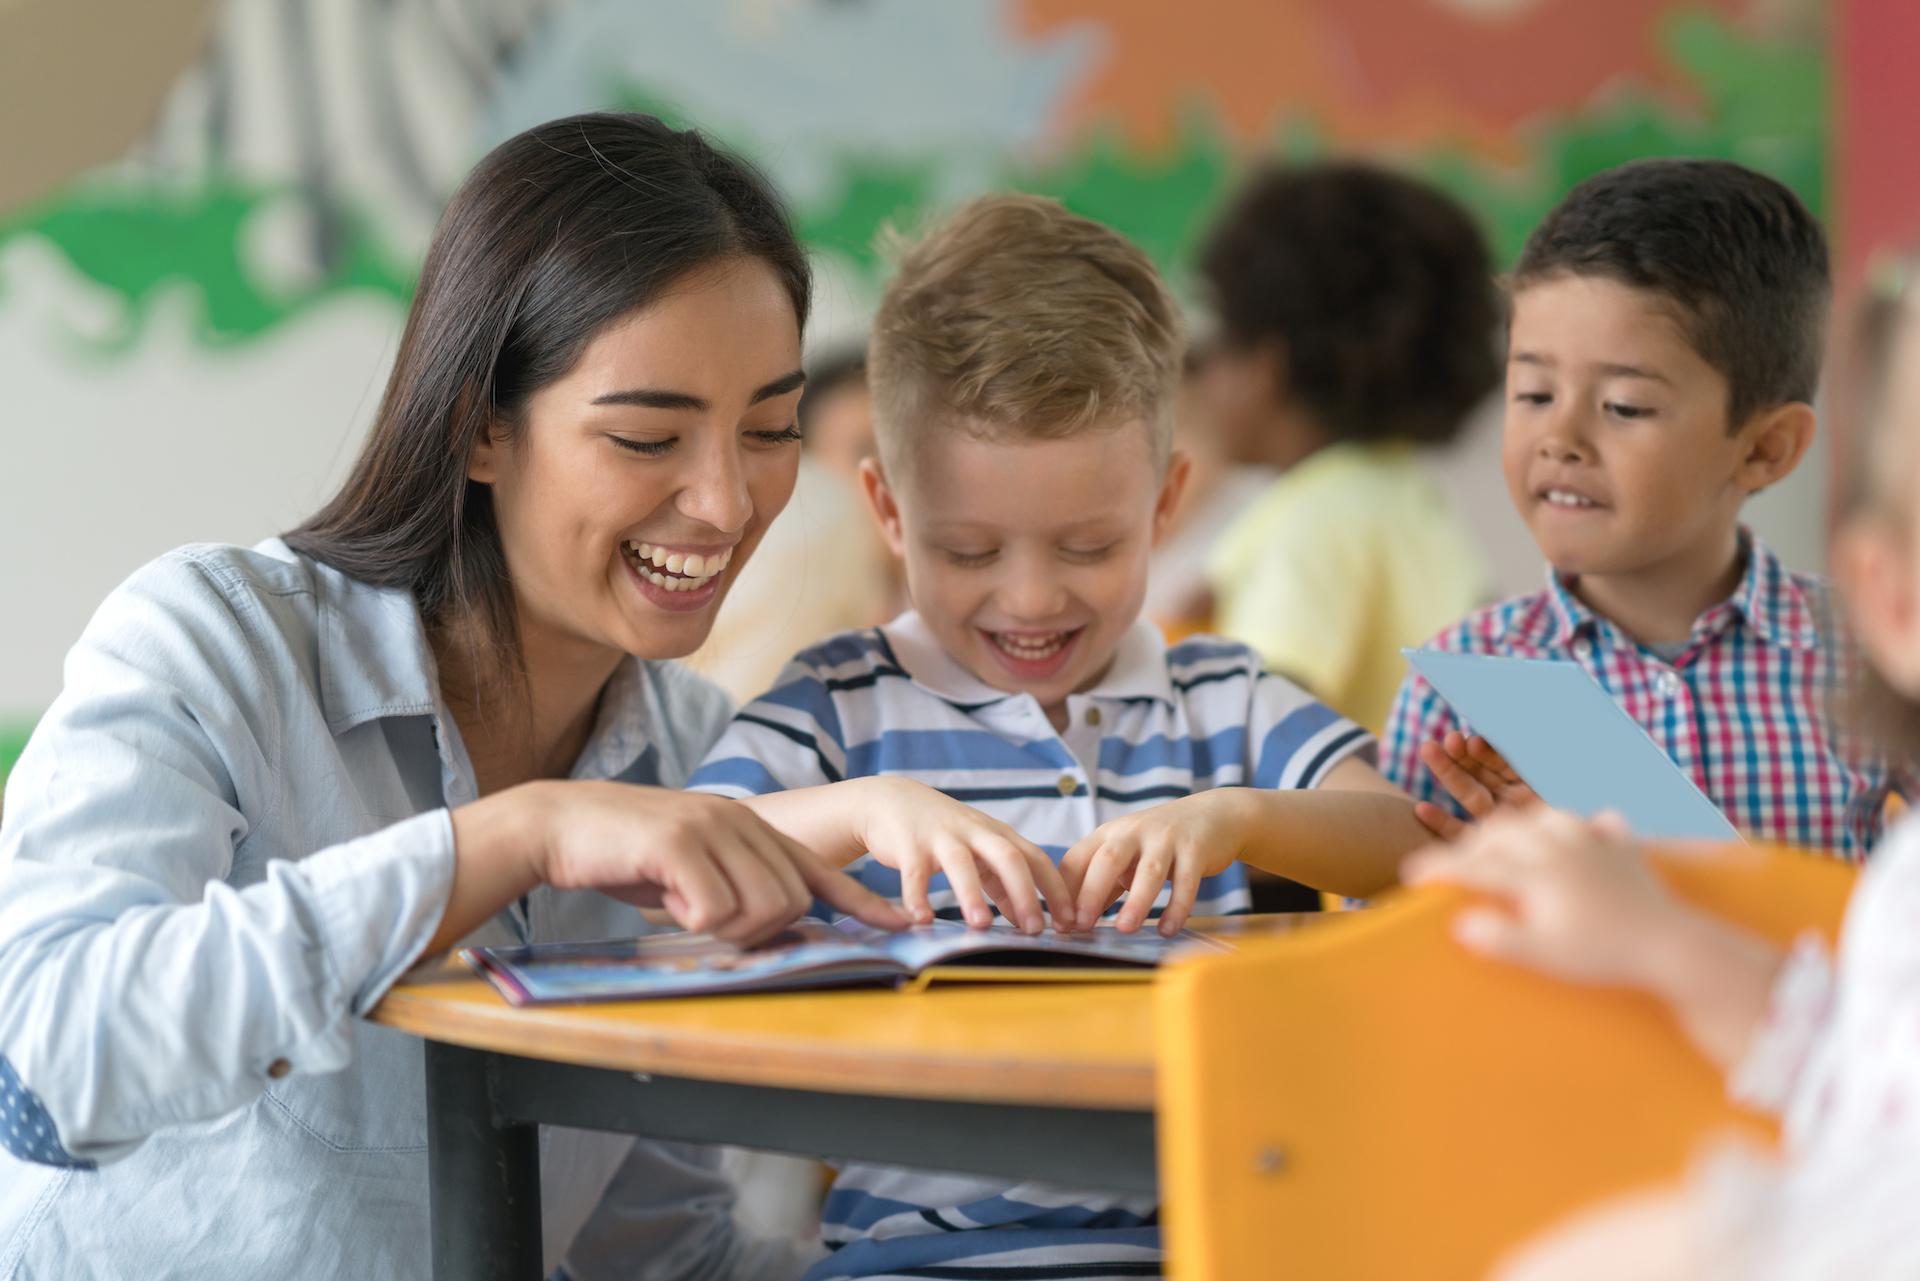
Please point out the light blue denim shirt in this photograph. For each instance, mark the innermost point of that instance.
(226, 839)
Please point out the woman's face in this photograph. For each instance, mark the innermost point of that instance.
(642, 479)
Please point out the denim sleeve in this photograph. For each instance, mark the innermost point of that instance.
(137, 989)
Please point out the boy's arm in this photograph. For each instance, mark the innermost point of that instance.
(1347, 835)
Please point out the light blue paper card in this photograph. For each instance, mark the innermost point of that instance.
(1572, 743)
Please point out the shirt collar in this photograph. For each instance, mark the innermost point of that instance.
(1767, 597)
(1138, 670)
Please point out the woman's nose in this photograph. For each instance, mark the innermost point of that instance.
(716, 493)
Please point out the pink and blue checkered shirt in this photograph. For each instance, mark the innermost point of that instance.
(1747, 707)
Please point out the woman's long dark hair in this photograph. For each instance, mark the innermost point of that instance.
(556, 233)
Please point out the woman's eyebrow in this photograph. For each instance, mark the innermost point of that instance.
(658, 398)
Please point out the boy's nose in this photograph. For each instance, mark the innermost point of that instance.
(1033, 595)
(1563, 441)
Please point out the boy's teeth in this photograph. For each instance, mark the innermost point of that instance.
(1031, 648)
(1561, 498)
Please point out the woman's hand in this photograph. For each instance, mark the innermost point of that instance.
(1476, 776)
(713, 864)
(918, 831)
(1183, 841)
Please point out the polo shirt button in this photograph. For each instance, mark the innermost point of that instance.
(1093, 716)
(279, 1069)
(1068, 785)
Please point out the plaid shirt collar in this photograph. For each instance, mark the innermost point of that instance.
(1767, 599)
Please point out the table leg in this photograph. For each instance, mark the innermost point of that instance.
(484, 1175)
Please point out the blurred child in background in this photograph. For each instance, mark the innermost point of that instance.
(1357, 321)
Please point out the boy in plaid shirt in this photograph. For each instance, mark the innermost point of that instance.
(1663, 352)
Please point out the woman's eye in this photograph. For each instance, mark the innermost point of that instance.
(648, 448)
(788, 435)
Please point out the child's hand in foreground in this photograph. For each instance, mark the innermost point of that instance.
(1575, 898)
(1182, 840)
(1474, 775)
(919, 831)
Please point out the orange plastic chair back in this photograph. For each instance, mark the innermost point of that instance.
(1364, 1099)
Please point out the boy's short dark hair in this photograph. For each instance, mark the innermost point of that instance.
(1734, 250)
(1379, 288)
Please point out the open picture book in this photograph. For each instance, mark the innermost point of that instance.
(814, 954)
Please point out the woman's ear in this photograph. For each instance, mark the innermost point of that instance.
(880, 499)
(1776, 442)
(483, 464)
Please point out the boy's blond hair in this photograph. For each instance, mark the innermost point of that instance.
(1015, 319)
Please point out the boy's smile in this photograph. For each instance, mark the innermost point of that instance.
(1027, 559)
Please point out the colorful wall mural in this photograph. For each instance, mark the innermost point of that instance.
(191, 340)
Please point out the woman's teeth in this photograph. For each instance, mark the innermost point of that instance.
(675, 571)
(1032, 649)
(1566, 498)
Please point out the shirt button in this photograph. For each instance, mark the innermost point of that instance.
(279, 1068)
(1093, 716)
(1669, 684)
(1583, 648)
(1068, 785)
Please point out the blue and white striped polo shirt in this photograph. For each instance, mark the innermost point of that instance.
(1163, 723)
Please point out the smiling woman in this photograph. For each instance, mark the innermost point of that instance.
(279, 776)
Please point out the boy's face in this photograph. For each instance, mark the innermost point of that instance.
(1028, 559)
(1617, 451)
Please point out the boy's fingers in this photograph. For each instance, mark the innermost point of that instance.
(1149, 874)
(1073, 864)
(1013, 888)
(1441, 822)
(1459, 782)
(1186, 888)
(963, 878)
(1100, 886)
(1484, 752)
(837, 889)
(915, 873)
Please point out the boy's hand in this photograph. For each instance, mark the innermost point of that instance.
(918, 831)
(1182, 840)
(1476, 776)
(1577, 899)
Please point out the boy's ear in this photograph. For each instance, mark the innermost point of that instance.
(1172, 489)
(1776, 442)
(886, 511)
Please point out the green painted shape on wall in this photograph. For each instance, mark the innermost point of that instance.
(136, 240)
(13, 741)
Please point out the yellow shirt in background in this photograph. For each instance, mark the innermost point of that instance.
(1349, 556)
